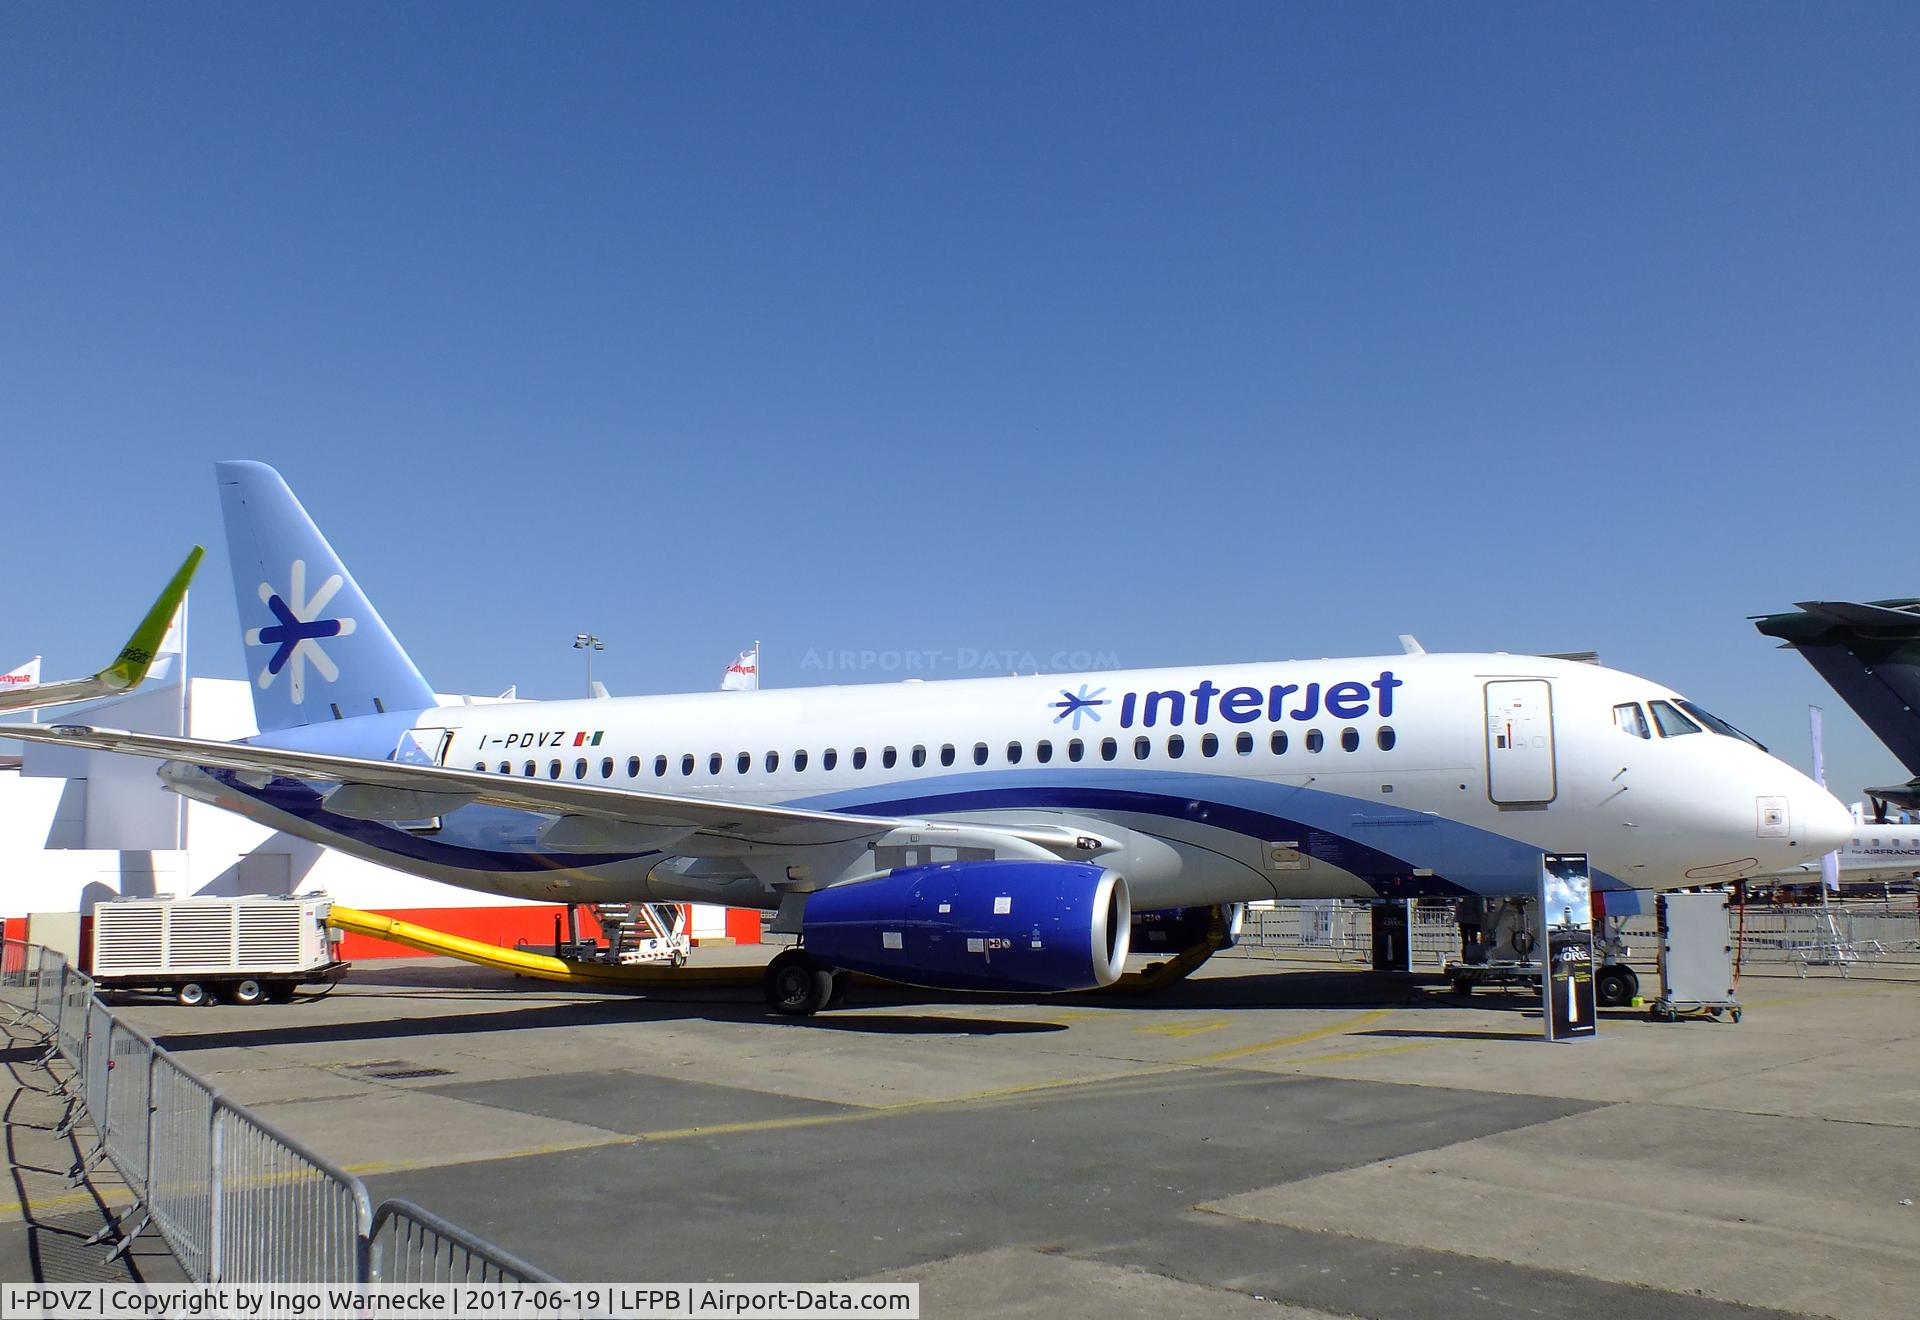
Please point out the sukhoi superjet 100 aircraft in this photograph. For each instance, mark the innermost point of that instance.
(984, 834)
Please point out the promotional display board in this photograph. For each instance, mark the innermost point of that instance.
(1566, 911)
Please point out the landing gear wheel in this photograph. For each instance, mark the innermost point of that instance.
(191, 994)
(249, 991)
(795, 985)
(1612, 988)
(838, 997)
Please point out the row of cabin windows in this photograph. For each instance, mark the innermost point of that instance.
(1107, 749)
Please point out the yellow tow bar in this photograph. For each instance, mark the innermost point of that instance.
(542, 965)
(546, 967)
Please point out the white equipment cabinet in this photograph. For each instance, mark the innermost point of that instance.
(1696, 956)
(246, 950)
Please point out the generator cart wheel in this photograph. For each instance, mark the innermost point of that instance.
(1735, 1014)
(281, 992)
(191, 994)
(1463, 985)
(795, 985)
(249, 991)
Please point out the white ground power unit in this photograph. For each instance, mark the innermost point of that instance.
(245, 950)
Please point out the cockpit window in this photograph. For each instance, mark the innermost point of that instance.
(1719, 725)
(1672, 723)
(1631, 719)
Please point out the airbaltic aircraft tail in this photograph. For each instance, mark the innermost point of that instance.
(300, 609)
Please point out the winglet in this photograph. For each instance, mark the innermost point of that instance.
(136, 657)
(130, 667)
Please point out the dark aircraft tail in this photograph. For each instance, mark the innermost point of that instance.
(1870, 653)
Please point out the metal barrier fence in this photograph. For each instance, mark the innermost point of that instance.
(235, 1199)
(412, 1245)
(1341, 931)
(1843, 935)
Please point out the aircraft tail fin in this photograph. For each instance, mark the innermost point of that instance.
(317, 649)
(1869, 652)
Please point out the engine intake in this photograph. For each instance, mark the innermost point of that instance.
(986, 925)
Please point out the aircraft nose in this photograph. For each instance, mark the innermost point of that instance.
(1821, 823)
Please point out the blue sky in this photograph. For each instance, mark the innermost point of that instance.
(1165, 333)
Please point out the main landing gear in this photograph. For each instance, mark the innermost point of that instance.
(798, 986)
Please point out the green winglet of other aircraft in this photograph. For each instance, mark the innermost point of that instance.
(133, 662)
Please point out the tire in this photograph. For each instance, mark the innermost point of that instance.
(1463, 985)
(281, 992)
(191, 994)
(837, 998)
(249, 991)
(795, 985)
(1611, 988)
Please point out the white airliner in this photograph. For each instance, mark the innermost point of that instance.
(1871, 853)
(988, 834)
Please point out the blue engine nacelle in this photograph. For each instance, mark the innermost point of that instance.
(1175, 930)
(988, 925)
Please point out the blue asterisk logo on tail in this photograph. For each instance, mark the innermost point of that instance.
(1079, 703)
(296, 631)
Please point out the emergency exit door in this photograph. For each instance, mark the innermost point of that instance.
(1520, 742)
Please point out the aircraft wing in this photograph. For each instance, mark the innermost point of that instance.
(129, 667)
(390, 790)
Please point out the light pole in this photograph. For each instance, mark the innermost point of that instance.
(589, 643)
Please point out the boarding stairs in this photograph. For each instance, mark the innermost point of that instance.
(644, 932)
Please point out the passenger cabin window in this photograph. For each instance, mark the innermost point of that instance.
(799, 762)
(919, 756)
(1075, 749)
(530, 770)
(773, 762)
(714, 762)
(1384, 739)
(743, 762)
(1142, 748)
(1210, 744)
(979, 753)
(553, 769)
(946, 754)
(1013, 753)
(1350, 740)
(686, 764)
(1314, 740)
(1108, 749)
(829, 759)
(1176, 745)
(859, 758)
(1278, 743)
(1043, 751)
(606, 768)
(1631, 719)
(888, 756)
(1672, 723)
(580, 768)
(659, 767)
(1243, 743)
(506, 767)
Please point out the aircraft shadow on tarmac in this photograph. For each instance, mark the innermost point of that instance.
(910, 1011)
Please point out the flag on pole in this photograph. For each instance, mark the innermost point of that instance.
(743, 675)
(1830, 864)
